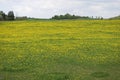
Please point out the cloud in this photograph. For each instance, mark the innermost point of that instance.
(22, 10)
(48, 8)
(2, 0)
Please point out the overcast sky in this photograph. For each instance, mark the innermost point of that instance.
(48, 8)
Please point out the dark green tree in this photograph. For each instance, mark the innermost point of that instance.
(62, 17)
(68, 16)
(10, 15)
(56, 17)
(2, 15)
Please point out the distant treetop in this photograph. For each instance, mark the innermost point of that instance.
(69, 16)
(4, 17)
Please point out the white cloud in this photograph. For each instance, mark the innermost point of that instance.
(48, 8)
(22, 10)
(2, 0)
(96, 8)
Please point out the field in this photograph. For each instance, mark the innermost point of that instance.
(60, 50)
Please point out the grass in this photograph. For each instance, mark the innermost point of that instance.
(60, 50)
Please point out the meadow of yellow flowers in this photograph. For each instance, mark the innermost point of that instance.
(60, 50)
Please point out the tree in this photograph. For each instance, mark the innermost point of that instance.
(2, 15)
(10, 15)
(67, 16)
(62, 17)
(56, 17)
(102, 18)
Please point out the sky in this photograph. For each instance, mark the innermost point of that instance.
(49, 8)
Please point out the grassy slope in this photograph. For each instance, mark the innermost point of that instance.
(60, 50)
(115, 18)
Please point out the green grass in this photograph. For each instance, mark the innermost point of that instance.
(60, 50)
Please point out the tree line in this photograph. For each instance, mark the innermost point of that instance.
(10, 16)
(69, 16)
(5, 17)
